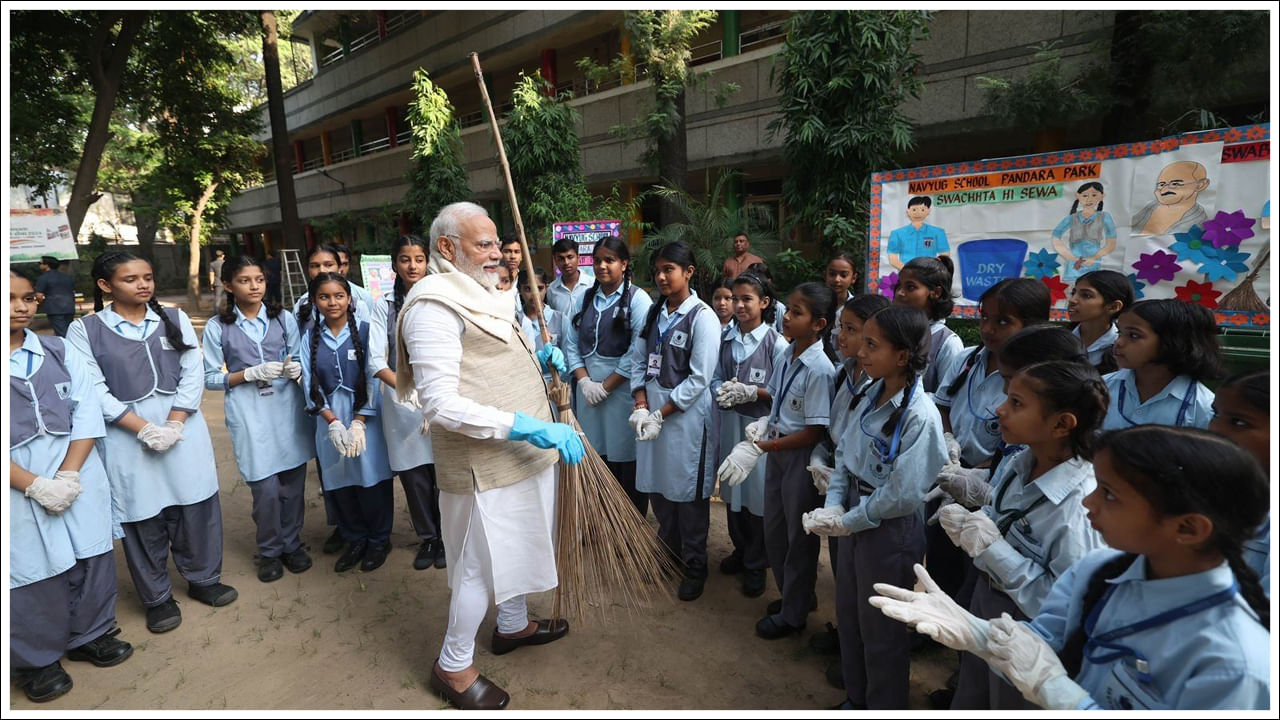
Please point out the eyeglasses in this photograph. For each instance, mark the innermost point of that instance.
(484, 245)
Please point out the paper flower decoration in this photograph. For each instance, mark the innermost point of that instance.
(1042, 264)
(1157, 266)
(1228, 228)
(1057, 288)
(1200, 293)
(1190, 245)
(888, 284)
(1223, 263)
(1137, 284)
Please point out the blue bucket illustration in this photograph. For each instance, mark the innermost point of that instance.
(984, 263)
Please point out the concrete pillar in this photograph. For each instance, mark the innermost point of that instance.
(357, 136)
(549, 70)
(733, 194)
(344, 34)
(627, 77)
(326, 151)
(392, 130)
(382, 24)
(634, 236)
(299, 156)
(729, 45)
(246, 239)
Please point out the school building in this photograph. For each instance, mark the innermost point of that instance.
(350, 137)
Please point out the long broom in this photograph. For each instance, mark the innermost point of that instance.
(606, 553)
(1243, 296)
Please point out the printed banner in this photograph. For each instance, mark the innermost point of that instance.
(1186, 217)
(378, 276)
(36, 233)
(585, 233)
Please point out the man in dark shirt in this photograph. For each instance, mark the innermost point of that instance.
(56, 293)
(273, 275)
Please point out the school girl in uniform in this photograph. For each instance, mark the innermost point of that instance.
(149, 378)
(62, 574)
(671, 371)
(605, 327)
(839, 275)
(1241, 413)
(1169, 617)
(779, 307)
(348, 432)
(1165, 350)
(1035, 527)
(361, 296)
(1097, 299)
(409, 452)
(885, 461)
(751, 349)
(801, 391)
(554, 321)
(259, 344)
(925, 283)
(722, 303)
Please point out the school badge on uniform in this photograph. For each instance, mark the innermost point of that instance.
(64, 390)
(679, 339)
(796, 403)
(165, 344)
(756, 375)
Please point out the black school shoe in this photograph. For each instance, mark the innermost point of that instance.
(297, 561)
(441, 562)
(826, 641)
(772, 627)
(46, 683)
(334, 543)
(775, 607)
(426, 556)
(103, 651)
(374, 556)
(270, 569)
(691, 587)
(164, 617)
(835, 676)
(215, 595)
(350, 558)
(732, 565)
(753, 583)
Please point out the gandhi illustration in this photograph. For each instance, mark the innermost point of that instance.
(1175, 208)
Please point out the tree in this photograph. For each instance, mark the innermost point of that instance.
(842, 78)
(281, 152)
(541, 140)
(437, 176)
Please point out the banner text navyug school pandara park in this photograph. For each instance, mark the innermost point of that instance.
(1185, 217)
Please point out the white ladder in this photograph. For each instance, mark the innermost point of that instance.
(295, 280)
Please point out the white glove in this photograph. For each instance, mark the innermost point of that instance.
(732, 392)
(265, 372)
(1031, 665)
(637, 417)
(593, 391)
(933, 613)
(824, 521)
(953, 449)
(971, 531)
(340, 437)
(741, 461)
(650, 426)
(355, 438)
(159, 437)
(755, 430)
(291, 368)
(967, 486)
(54, 494)
(935, 494)
(68, 475)
(821, 476)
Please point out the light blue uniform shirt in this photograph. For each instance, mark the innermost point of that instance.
(1048, 527)
(407, 447)
(364, 308)
(269, 428)
(556, 324)
(144, 482)
(1101, 347)
(952, 348)
(42, 545)
(801, 389)
(1163, 408)
(563, 300)
(1257, 554)
(1216, 659)
(973, 407)
(601, 365)
(899, 486)
(909, 243)
(729, 426)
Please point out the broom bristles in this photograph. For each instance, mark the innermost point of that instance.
(606, 553)
(1243, 296)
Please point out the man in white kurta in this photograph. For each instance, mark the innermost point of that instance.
(481, 392)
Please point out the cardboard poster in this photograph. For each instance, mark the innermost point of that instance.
(379, 278)
(1185, 217)
(39, 232)
(585, 233)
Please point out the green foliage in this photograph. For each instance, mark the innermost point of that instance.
(790, 268)
(1045, 97)
(248, 74)
(842, 78)
(437, 176)
(541, 140)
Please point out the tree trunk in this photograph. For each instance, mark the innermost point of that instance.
(106, 73)
(193, 262)
(148, 223)
(282, 152)
(673, 165)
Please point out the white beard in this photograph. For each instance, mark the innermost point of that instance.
(488, 281)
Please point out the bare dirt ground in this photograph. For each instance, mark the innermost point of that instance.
(366, 641)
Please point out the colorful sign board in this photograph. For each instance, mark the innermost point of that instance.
(378, 276)
(36, 233)
(585, 234)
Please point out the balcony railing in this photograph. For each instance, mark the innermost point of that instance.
(344, 154)
(312, 163)
(395, 23)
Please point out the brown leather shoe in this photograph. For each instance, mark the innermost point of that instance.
(548, 631)
(482, 695)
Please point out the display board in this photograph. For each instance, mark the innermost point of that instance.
(585, 233)
(34, 234)
(1185, 216)
(378, 276)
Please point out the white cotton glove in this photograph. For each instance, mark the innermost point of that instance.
(265, 372)
(54, 494)
(933, 613)
(755, 430)
(821, 474)
(355, 438)
(340, 437)
(732, 392)
(593, 391)
(291, 368)
(636, 419)
(1031, 665)
(953, 449)
(650, 426)
(159, 437)
(970, 530)
(967, 486)
(739, 464)
(824, 521)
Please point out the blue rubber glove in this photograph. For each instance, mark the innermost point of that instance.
(548, 435)
(550, 354)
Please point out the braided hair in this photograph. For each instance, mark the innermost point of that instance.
(231, 268)
(313, 391)
(1023, 298)
(906, 328)
(1074, 387)
(622, 318)
(934, 274)
(104, 268)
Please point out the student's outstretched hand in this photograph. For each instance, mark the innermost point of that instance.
(933, 613)
(1027, 661)
(54, 494)
(739, 464)
(355, 435)
(971, 530)
(547, 435)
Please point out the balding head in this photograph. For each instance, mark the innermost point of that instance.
(1180, 182)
